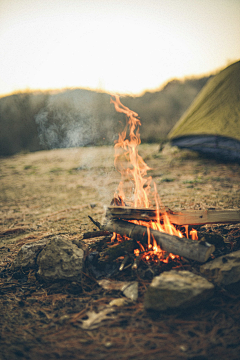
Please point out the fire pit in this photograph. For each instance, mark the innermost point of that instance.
(138, 233)
(144, 231)
(156, 231)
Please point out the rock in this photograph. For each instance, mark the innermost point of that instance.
(224, 270)
(129, 288)
(176, 289)
(81, 245)
(27, 255)
(131, 291)
(60, 260)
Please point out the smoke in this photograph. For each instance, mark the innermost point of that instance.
(77, 118)
(64, 128)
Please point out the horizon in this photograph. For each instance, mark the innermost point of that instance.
(160, 88)
(114, 47)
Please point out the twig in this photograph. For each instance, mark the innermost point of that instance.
(93, 234)
(97, 223)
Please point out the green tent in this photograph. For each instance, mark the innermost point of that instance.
(211, 125)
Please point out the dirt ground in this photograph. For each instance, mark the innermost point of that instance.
(53, 192)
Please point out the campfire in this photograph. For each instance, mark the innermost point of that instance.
(135, 191)
(137, 213)
(141, 239)
(143, 232)
(64, 276)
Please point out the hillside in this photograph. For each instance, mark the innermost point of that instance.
(35, 121)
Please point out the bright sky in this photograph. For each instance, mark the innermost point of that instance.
(124, 46)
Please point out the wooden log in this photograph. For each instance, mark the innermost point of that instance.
(179, 246)
(184, 217)
(93, 234)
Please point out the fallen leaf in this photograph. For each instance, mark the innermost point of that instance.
(95, 319)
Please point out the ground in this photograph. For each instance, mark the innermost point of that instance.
(53, 192)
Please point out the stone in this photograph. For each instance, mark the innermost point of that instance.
(60, 260)
(176, 289)
(224, 270)
(131, 291)
(27, 255)
(129, 288)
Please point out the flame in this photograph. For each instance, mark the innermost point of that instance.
(135, 186)
(193, 234)
(128, 162)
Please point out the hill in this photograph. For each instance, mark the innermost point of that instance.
(34, 121)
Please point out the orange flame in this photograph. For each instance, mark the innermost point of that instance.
(193, 234)
(135, 187)
(128, 162)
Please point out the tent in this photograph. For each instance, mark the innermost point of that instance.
(211, 125)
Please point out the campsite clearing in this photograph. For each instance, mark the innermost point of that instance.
(53, 192)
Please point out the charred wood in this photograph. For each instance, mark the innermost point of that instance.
(97, 223)
(124, 262)
(173, 244)
(212, 238)
(121, 249)
(93, 234)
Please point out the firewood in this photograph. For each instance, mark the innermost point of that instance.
(179, 246)
(184, 217)
(115, 251)
(93, 234)
(125, 260)
(97, 223)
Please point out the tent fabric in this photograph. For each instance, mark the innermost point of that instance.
(215, 146)
(212, 122)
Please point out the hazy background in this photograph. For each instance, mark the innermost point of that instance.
(32, 121)
(159, 53)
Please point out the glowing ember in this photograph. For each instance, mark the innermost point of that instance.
(135, 187)
(193, 234)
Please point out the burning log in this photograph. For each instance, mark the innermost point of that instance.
(170, 243)
(184, 217)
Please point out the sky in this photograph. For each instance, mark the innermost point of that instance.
(117, 46)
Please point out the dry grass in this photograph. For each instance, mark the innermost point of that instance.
(53, 192)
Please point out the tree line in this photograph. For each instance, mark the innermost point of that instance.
(32, 121)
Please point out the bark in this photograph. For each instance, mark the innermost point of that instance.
(184, 217)
(179, 246)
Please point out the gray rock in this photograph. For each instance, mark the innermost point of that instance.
(224, 270)
(60, 260)
(176, 289)
(131, 291)
(27, 255)
(129, 288)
